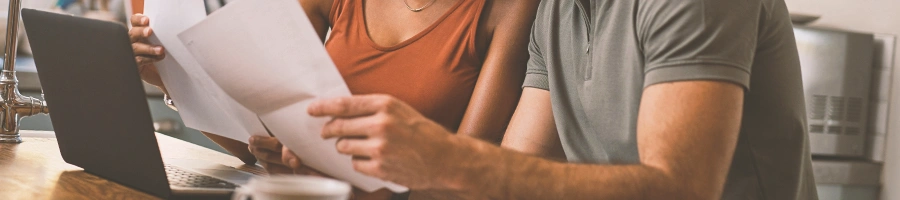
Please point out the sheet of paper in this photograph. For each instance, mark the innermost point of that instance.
(268, 57)
(202, 104)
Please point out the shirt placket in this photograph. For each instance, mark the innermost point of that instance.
(586, 68)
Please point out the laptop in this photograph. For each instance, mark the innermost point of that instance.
(100, 112)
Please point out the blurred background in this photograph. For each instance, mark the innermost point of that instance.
(848, 56)
(166, 120)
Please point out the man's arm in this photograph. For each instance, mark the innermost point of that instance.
(532, 129)
(687, 132)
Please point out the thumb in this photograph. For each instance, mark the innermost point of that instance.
(289, 159)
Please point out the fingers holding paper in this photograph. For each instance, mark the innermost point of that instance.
(276, 158)
(291, 159)
(146, 54)
(139, 34)
(389, 140)
(139, 27)
(268, 151)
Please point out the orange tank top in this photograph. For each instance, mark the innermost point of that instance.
(434, 71)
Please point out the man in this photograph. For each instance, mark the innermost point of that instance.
(648, 99)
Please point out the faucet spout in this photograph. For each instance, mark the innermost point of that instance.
(12, 35)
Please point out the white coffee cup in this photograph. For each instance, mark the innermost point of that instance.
(292, 187)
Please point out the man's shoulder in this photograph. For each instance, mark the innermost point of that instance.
(549, 15)
(709, 7)
(554, 7)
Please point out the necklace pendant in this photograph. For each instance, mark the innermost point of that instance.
(418, 9)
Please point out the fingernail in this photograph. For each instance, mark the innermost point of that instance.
(158, 50)
(312, 108)
(144, 20)
(147, 32)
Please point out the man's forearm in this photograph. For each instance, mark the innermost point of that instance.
(505, 174)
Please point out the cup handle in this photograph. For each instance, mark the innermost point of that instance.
(242, 193)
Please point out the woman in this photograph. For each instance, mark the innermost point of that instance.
(459, 62)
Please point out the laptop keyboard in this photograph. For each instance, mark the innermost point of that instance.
(182, 178)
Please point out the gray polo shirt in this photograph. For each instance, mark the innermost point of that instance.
(596, 65)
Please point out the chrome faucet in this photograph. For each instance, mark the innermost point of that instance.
(14, 106)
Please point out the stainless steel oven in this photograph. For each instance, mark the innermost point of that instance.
(837, 70)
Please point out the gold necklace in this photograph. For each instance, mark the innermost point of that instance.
(418, 9)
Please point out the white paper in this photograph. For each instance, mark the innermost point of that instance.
(202, 104)
(268, 57)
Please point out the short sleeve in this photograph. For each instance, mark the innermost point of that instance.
(698, 40)
(536, 74)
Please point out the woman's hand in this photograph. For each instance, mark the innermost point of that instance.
(293, 161)
(267, 151)
(145, 54)
(278, 159)
(297, 167)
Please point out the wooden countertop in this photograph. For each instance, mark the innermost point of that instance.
(34, 169)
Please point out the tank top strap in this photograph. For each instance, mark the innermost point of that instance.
(337, 8)
(473, 30)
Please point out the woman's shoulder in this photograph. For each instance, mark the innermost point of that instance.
(318, 7)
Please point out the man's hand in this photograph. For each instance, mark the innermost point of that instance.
(146, 54)
(682, 155)
(268, 151)
(390, 140)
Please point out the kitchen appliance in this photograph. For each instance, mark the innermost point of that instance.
(837, 70)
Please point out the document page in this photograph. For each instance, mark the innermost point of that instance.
(268, 57)
(201, 103)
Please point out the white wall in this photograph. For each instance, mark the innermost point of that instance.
(874, 16)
